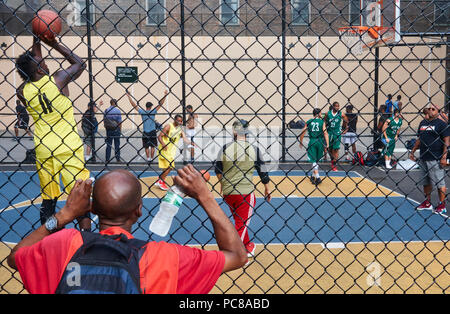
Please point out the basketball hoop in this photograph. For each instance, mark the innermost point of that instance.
(360, 38)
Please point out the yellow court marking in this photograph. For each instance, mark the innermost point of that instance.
(298, 186)
(282, 186)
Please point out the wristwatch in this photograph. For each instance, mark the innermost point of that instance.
(51, 224)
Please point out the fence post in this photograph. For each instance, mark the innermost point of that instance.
(283, 81)
(91, 90)
(375, 95)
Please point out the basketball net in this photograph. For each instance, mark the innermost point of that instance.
(360, 38)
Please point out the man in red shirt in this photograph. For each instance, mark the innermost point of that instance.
(42, 257)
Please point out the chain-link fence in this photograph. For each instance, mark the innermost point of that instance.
(342, 219)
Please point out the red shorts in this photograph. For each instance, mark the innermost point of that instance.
(241, 207)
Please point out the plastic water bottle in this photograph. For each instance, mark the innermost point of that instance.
(168, 208)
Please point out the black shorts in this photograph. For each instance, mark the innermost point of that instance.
(149, 139)
(21, 124)
(88, 138)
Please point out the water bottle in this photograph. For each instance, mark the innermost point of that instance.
(168, 208)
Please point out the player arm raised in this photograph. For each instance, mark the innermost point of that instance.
(162, 100)
(132, 102)
(65, 76)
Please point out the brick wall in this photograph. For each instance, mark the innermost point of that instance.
(202, 18)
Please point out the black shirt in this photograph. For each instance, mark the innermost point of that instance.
(22, 113)
(431, 136)
(352, 119)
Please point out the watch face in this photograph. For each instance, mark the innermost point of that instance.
(51, 223)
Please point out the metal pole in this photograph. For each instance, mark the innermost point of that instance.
(447, 77)
(183, 72)
(375, 93)
(91, 89)
(283, 81)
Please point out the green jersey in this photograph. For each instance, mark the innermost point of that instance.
(393, 127)
(315, 128)
(334, 122)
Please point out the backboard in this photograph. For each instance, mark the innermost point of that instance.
(372, 23)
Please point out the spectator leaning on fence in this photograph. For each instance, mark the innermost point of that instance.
(113, 124)
(44, 257)
(433, 141)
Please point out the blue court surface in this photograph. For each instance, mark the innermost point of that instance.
(283, 220)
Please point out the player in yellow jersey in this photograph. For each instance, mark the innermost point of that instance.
(168, 143)
(59, 149)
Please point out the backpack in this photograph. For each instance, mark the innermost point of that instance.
(358, 158)
(103, 265)
(110, 124)
(88, 123)
(373, 158)
(296, 125)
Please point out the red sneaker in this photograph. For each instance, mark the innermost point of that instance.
(251, 248)
(440, 209)
(425, 205)
(333, 166)
(162, 185)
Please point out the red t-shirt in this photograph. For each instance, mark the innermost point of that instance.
(164, 267)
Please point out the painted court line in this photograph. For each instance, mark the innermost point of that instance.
(399, 194)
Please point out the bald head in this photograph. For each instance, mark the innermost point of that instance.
(116, 196)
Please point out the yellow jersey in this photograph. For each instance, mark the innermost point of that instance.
(171, 140)
(55, 129)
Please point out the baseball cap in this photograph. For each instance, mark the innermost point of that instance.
(240, 126)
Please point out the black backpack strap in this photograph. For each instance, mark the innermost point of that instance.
(133, 243)
(91, 239)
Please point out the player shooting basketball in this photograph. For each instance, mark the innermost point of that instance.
(59, 149)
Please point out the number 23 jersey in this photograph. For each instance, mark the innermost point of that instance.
(55, 129)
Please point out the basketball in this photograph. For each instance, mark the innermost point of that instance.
(47, 24)
(205, 174)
